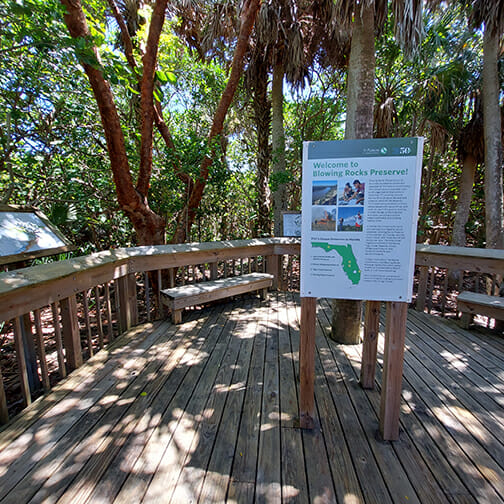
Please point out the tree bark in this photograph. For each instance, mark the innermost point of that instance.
(347, 314)
(186, 216)
(262, 119)
(464, 200)
(278, 147)
(148, 225)
(494, 214)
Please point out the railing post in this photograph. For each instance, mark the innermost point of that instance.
(370, 344)
(71, 335)
(4, 412)
(422, 288)
(30, 352)
(214, 271)
(273, 268)
(127, 302)
(21, 360)
(307, 362)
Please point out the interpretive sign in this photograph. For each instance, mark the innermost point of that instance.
(26, 234)
(291, 223)
(359, 218)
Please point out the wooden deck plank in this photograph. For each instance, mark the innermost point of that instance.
(294, 484)
(464, 454)
(191, 412)
(413, 459)
(462, 425)
(321, 481)
(243, 472)
(153, 400)
(345, 478)
(480, 355)
(97, 447)
(38, 441)
(171, 419)
(82, 377)
(395, 477)
(268, 478)
(215, 485)
(194, 467)
(475, 394)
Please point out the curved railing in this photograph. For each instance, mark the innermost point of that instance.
(69, 309)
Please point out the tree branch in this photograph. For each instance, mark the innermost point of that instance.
(186, 217)
(147, 97)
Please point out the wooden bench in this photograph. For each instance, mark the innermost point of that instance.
(178, 298)
(472, 303)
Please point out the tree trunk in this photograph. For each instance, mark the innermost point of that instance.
(262, 118)
(347, 314)
(278, 145)
(494, 214)
(464, 200)
(148, 225)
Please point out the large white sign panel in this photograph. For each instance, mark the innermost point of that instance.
(359, 218)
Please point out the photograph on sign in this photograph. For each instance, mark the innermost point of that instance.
(359, 216)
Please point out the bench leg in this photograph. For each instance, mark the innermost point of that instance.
(264, 293)
(465, 320)
(176, 316)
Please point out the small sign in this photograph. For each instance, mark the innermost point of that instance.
(27, 234)
(360, 208)
(291, 222)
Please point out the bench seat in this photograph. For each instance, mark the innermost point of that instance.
(472, 303)
(178, 298)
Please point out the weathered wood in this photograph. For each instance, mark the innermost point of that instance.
(422, 288)
(85, 304)
(461, 258)
(30, 352)
(395, 333)
(370, 344)
(108, 308)
(21, 362)
(180, 297)
(147, 296)
(55, 307)
(214, 270)
(307, 362)
(41, 350)
(128, 315)
(273, 267)
(472, 303)
(99, 322)
(4, 411)
(71, 333)
(165, 420)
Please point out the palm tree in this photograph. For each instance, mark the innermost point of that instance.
(364, 18)
(490, 13)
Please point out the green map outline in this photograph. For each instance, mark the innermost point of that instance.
(349, 261)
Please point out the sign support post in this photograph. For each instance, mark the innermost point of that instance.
(390, 401)
(307, 362)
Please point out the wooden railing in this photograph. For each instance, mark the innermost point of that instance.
(59, 314)
(69, 309)
(445, 271)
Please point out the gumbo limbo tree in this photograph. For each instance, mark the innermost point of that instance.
(133, 195)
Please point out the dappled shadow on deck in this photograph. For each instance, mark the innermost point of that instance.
(207, 412)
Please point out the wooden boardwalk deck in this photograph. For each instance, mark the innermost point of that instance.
(207, 412)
